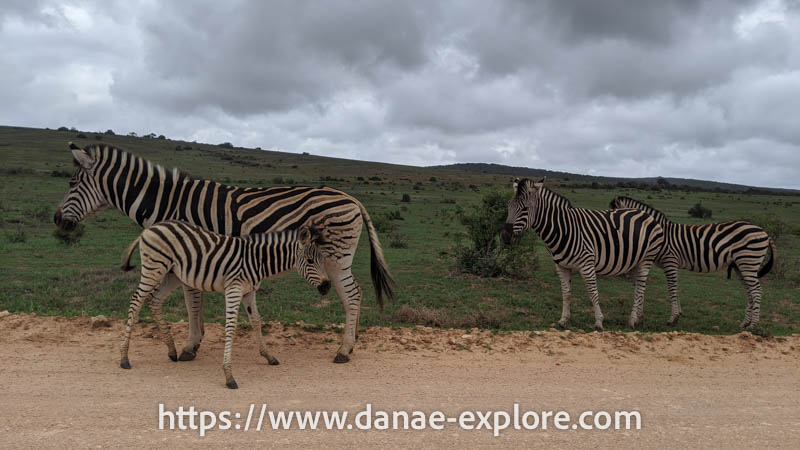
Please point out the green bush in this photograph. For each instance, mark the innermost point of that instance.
(398, 240)
(484, 254)
(406, 198)
(699, 211)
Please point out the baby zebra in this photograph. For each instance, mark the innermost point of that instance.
(175, 253)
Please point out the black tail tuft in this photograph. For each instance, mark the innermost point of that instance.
(613, 204)
(731, 267)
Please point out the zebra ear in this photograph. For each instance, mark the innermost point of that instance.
(81, 157)
(304, 236)
(515, 184)
(540, 183)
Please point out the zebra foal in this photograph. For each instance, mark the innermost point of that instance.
(589, 241)
(707, 248)
(175, 253)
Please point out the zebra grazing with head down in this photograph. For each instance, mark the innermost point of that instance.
(147, 193)
(707, 248)
(174, 252)
(589, 241)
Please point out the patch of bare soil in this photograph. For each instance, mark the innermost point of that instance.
(61, 385)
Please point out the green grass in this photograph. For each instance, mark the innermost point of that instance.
(40, 274)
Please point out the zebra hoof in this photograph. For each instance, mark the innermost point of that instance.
(598, 327)
(125, 364)
(187, 356)
(173, 356)
(341, 359)
(745, 324)
(232, 384)
(561, 325)
(273, 361)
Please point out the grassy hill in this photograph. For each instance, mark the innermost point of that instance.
(40, 274)
(685, 183)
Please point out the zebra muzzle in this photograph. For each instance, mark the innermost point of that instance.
(324, 287)
(507, 233)
(63, 224)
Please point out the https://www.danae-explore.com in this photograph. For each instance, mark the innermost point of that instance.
(261, 418)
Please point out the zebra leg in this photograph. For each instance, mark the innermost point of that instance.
(143, 291)
(250, 306)
(752, 285)
(565, 275)
(233, 296)
(194, 306)
(671, 272)
(640, 284)
(156, 304)
(350, 293)
(590, 279)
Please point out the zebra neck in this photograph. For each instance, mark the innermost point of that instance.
(145, 192)
(549, 212)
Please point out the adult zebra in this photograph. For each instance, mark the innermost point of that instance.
(147, 193)
(706, 248)
(589, 241)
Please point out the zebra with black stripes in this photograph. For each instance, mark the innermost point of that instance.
(590, 241)
(174, 253)
(148, 193)
(706, 248)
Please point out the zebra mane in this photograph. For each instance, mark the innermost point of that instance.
(96, 149)
(636, 204)
(558, 198)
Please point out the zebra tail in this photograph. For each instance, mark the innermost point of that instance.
(768, 266)
(126, 257)
(382, 280)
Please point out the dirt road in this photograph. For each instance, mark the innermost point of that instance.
(60, 385)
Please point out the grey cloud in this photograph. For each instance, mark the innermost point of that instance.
(679, 88)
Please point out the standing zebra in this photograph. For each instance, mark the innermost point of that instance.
(707, 248)
(147, 193)
(174, 252)
(589, 241)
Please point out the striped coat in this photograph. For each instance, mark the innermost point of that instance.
(589, 241)
(709, 247)
(175, 253)
(148, 193)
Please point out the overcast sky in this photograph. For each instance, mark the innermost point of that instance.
(693, 89)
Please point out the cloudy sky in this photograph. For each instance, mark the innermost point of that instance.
(695, 89)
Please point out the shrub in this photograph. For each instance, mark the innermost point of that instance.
(98, 137)
(772, 224)
(383, 224)
(406, 198)
(398, 240)
(70, 237)
(80, 136)
(484, 255)
(60, 174)
(63, 129)
(277, 180)
(699, 211)
(109, 132)
(226, 145)
(17, 236)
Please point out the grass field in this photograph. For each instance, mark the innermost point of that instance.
(40, 274)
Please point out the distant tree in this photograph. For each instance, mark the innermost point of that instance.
(63, 129)
(109, 132)
(161, 136)
(699, 211)
(132, 134)
(226, 145)
(80, 136)
(406, 198)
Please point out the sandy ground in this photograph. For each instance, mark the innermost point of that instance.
(61, 385)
